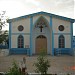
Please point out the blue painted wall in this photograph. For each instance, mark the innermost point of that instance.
(52, 36)
(31, 25)
(62, 51)
(73, 41)
(20, 51)
(4, 47)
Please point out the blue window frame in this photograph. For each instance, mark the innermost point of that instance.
(20, 41)
(61, 41)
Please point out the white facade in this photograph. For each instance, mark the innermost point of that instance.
(30, 32)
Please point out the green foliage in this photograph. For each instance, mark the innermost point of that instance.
(3, 36)
(3, 21)
(14, 70)
(42, 64)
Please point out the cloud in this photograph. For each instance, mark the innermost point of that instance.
(23, 7)
(34, 2)
(59, 7)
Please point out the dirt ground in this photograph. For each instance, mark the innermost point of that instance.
(59, 64)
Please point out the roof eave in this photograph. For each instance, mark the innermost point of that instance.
(49, 14)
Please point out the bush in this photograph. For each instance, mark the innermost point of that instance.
(14, 70)
(42, 64)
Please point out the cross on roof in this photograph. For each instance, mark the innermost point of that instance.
(40, 28)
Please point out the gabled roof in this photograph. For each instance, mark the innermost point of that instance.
(45, 13)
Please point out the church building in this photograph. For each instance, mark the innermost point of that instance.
(41, 31)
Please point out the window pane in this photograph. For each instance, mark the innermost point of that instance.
(20, 41)
(61, 41)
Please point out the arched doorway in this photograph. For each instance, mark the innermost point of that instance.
(42, 36)
(41, 44)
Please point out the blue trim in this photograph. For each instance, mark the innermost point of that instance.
(10, 35)
(62, 33)
(71, 35)
(52, 43)
(20, 33)
(45, 13)
(52, 36)
(62, 51)
(31, 26)
(71, 24)
(73, 41)
(50, 21)
(19, 51)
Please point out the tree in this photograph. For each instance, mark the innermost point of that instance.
(3, 21)
(42, 64)
(4, 36)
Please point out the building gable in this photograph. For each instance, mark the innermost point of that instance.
(43, 13)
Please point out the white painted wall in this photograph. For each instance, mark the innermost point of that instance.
(24, 22)
(67, 41)
(55, 41)
(4, 52)
(14, 40)
(57, 22)
(27, 40)
(67, 30)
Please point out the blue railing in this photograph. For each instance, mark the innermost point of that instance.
(20, 51)
(3, 46)
(63, 51)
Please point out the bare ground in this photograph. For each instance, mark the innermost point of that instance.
(59, 64)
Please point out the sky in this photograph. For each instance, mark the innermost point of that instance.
(17, 8)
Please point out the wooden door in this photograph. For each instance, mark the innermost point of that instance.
(41, 44)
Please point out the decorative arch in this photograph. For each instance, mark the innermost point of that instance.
(20, 41)
(41, 21)
(41, 44)
(61, 41)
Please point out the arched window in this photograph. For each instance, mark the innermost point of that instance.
(61, 41)
(20, 41)
(41, 23)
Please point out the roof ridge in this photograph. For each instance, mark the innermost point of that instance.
(42, 12)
